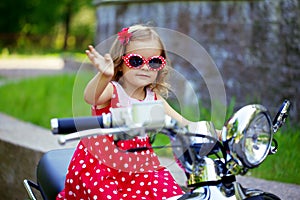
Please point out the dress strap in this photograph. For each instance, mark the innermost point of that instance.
(121, 99)
(99, 111)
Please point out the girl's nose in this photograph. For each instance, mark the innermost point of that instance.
(145, 67)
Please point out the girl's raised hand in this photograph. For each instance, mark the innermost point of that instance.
(104, 64)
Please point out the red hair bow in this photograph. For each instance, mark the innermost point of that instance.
(124, 36)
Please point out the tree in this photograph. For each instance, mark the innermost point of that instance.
(33, 20)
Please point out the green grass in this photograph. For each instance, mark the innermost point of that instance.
(284, 165)
(37, 100)
(162, 140)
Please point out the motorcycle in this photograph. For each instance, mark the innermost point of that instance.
(211, 164)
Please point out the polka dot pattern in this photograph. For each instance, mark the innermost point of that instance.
(102, 169)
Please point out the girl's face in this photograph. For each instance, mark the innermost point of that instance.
(137, 78)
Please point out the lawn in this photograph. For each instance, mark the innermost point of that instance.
(37, 100)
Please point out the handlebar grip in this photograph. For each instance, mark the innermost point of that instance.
(71, 125)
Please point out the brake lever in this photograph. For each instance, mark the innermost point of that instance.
(91, 132)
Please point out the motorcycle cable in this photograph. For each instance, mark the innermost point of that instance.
(218, 145)
(274, 148)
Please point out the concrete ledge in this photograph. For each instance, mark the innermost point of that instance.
(27, 135)
(21, 147)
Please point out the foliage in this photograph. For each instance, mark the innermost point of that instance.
(36, 24)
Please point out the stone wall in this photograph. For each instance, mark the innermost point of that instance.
(255, 44)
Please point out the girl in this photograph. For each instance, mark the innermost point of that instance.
(101, 168)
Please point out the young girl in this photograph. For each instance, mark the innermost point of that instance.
(101, 168)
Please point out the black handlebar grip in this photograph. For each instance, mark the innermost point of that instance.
(71, 125)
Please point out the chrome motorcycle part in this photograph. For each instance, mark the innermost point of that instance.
(150, 114)
(202, 172)
(281, 115)
(192, 149)
(248, 136)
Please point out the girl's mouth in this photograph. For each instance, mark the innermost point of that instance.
(143, 75)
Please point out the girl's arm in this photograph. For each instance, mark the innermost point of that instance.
(99, 90)
(192, 126)
(172, 113)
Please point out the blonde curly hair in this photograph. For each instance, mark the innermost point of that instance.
(141, 33)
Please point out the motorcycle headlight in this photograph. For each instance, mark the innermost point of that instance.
(249, 135)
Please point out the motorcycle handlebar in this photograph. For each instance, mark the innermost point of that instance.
(71, 125)
(79, 127)
(89, 126)
(149, 115)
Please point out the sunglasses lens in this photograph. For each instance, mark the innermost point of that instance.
(135, 61)
(155, 63)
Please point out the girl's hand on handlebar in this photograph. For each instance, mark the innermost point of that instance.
(104, 64)
(203, 127)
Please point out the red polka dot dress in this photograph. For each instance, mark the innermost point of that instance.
(101, 168)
